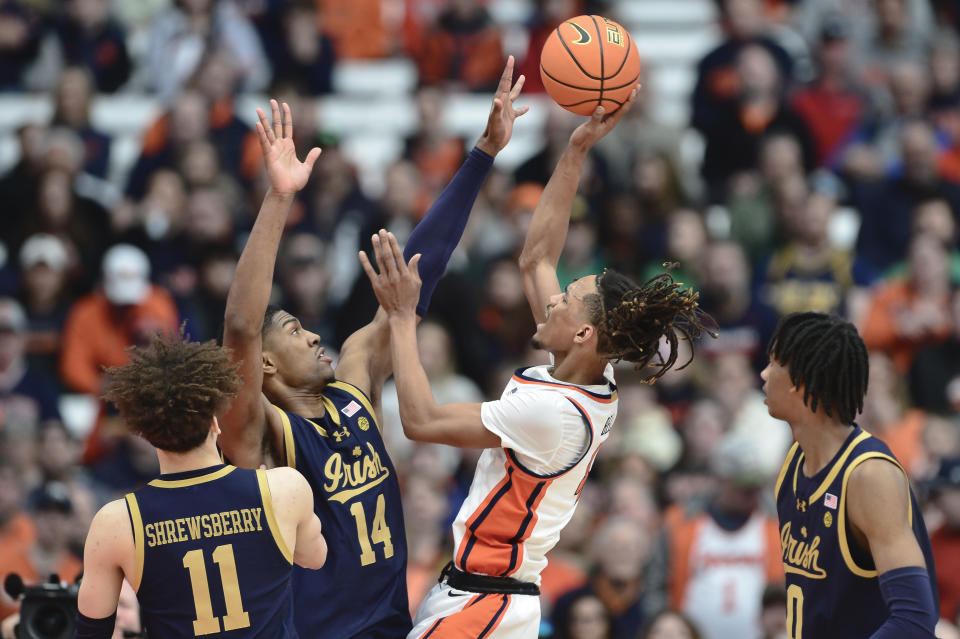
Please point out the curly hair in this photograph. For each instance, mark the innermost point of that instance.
(631, 319)
(824, 354)
(171, 389)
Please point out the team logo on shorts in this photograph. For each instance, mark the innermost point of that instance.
(363, 423)
(827, 519)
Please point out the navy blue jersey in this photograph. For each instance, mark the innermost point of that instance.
(361, 591)
(832, 587)
(210, 557)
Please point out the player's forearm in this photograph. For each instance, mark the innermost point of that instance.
(909, 598)
(417, 406)
(250, 290)
(551, 218)
(437, 235)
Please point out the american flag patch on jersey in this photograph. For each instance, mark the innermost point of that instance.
(830, 501)
(350, 409)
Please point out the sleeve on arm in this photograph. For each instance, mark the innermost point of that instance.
(528, 423)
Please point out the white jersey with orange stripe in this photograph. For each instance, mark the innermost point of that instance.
(525, 492)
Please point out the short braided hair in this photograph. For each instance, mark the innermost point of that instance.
(171, 389)
(824, 354)
(631, 319)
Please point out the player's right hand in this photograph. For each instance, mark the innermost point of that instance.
(397, 285)
(287, 174)
(600, 123)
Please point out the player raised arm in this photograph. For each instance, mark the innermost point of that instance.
(551, 218)
(365, 357)
(878, 504)
(397, 287)
(246, 423)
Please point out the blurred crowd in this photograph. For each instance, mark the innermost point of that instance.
(829, 179)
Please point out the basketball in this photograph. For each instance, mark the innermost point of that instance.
(589, 61)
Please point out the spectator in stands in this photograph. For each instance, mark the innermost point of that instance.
(21, 29)
(755, 197)
(586, 619)
(90, 38)
(18, 185)
(546, 16)
(432, 149)
(945, 540)
(944, 68)
(619, 551)
(462, 48)
(17, 531)
(886, 206)
(722, 554)
(833, 105)
(100, 326)
(360, 29)
(305, 55)
(52, 515)
(744, 323)
(907, 84)
(895, 38)
(304, 277)
(907, 314)
(807, 273)
(46, 297)
(773, 612)
(640, 134)
(26, 396)
(124, 312)
(719, 83)
(192, 29)
(425, 513)
(686, 243)
(735, 127)
(202, 304)
(80, 222)
(72, 110)
(670, 625)
(937, 368)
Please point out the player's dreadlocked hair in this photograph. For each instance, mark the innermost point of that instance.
(824, 354)
(172, 388)
(631, 319)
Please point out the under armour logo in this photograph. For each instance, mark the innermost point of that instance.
(339, 435)
(801, 504)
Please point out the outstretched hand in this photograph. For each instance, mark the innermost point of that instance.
(287, 174)
(397, 285)
(502, 113)
(601, 123)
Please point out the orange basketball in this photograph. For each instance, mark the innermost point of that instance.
(589, 61)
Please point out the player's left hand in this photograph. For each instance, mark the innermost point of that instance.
(502, 113)
(287, 174)
(397, 285)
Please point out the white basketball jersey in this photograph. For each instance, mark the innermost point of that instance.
(727, 576)
(513, 516)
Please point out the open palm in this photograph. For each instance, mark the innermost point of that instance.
(502, 112)
(287, 174)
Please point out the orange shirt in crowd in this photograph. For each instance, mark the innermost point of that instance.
(905, 438)
(96, 334)
(881, 326)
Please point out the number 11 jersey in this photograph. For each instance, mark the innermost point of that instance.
(211, 561)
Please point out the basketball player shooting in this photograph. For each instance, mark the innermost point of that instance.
(295, 410)
(542, 435)
(855, 550)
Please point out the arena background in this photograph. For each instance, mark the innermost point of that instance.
(788, 155)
